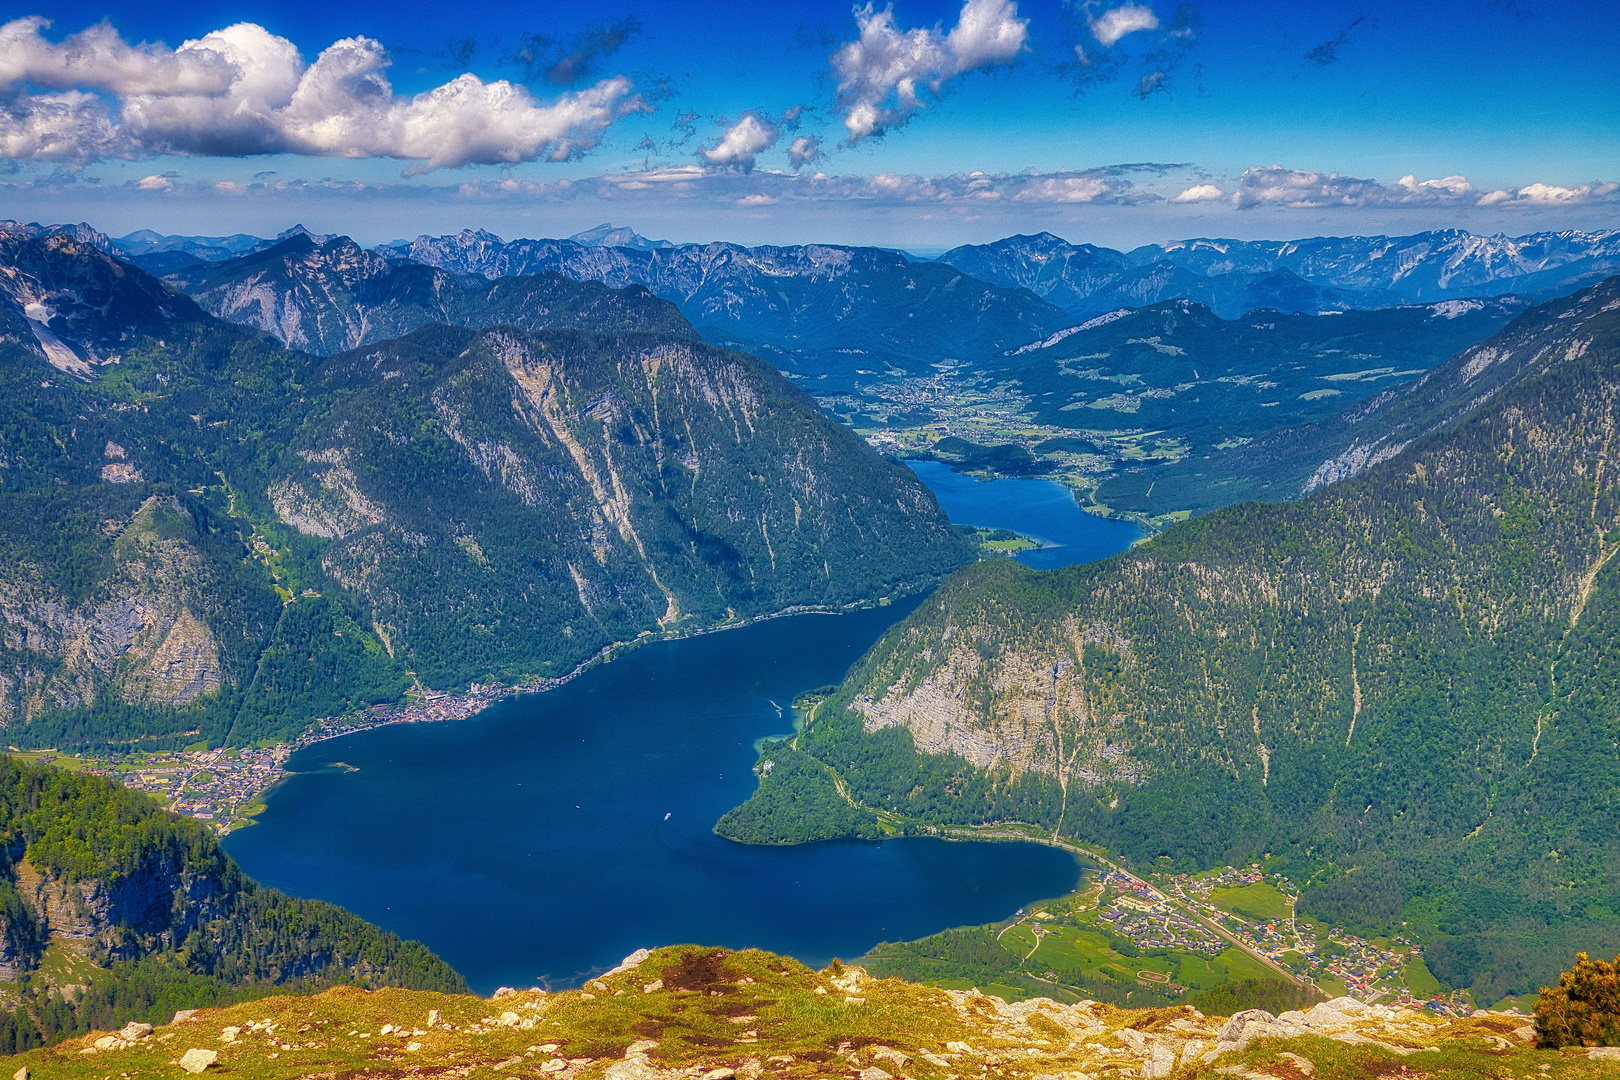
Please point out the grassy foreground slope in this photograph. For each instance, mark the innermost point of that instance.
(688, 1012)
(1401, 690)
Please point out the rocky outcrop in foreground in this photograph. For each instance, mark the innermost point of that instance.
(699, 1014)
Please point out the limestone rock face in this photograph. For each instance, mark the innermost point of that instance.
(1043, 717)
(140, 637)
(96, 913)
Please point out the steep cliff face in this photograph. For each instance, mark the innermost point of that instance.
(122, 916)
(78, 306)
(1014, 711)
(137, 637)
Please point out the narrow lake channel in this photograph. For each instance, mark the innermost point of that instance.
(1042, 510)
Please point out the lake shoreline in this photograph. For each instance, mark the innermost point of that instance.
(250, 785)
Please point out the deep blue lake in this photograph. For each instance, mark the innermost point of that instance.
(1039, 509)
(555, 833)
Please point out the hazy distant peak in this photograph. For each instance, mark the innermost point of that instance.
(299, 230)
(605, 235)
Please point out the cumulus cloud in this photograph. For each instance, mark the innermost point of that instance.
(1302, 189)
(243, 91)
(71, 128)
(1200, 193)
(1110, 26)
(1551, 195)
(98, 59)
(1068, 189)
(742, 142)
(803, 150)
(881, 73)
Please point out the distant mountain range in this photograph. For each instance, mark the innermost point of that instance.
(1233, 277)
(846, 313)
(823, 313)
(1423, 267)
(1345, 272)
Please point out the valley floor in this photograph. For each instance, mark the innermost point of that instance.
(1165, 937)
(909, 417)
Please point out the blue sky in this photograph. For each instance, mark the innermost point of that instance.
(922, 124)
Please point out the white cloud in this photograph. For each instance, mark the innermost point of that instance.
(243, 90)
(1549, 193)
(71, 128)
(764, 187)
(163, 182)
(1450, 187)
(1296, 188)
(1539, 194)
(1276, 186)
(98, 59)
(803, 150)
(1200, 193)
(1067, 189)
(881, 73)
(742, 142)
(1110, 26)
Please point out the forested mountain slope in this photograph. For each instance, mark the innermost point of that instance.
(151, 916)
(1299, 457)
(326, 297)
(206, 536)
(1402, 688)
(509, 502)
(814, 310)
